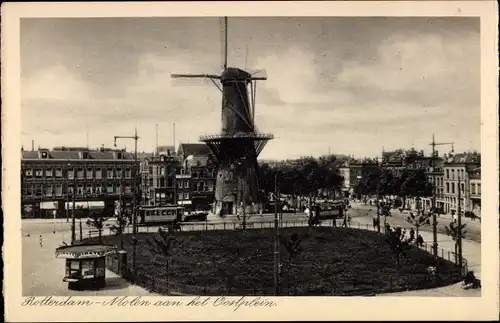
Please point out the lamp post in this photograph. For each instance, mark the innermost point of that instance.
(73, 224)
(459, 224)
(276, 239)
(134, 213)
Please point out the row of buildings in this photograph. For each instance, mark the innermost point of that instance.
(100, 178)
(457, 177)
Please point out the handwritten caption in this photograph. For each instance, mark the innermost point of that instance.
(138, 301)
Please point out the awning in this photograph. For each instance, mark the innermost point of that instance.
(52, 205)
(184, 202)
(85, 205)
(84, 251)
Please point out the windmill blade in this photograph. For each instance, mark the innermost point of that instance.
(196, 81)
(210, 76)
(224, 31)
(258, 74)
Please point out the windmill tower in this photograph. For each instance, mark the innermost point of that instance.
(239, 143)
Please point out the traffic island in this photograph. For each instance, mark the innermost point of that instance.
(313, 262)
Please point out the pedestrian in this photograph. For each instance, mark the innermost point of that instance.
(349, 220)
(41, 241)
(374, 223)
(412, 235)
(420, 241)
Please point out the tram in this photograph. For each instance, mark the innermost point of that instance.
(151, 215)
(329, 210)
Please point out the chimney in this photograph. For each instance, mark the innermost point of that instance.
(32, 145)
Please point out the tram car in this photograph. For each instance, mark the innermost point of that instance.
(329, 210)
(152, 215)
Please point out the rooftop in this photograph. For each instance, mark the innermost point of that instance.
(68, 153)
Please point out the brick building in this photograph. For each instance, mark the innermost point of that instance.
(159, 177)
(196, 179)
(98, 177)
(354, 171)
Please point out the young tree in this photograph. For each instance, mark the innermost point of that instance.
(293, 248)
(418, 220)
(398, 246)
(163, 242)
(455, 233)
(96, 220)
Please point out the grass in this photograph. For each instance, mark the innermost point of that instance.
(332, 262)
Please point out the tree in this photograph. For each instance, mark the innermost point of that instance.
(163, 242)
(96, 220)
(418, 220)
(455, 233)
(394, 239)
(293, 247)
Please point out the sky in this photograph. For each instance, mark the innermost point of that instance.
(344, 85)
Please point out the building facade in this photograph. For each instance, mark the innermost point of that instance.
(354, 171)
(457, 170)
(475, 191)
(49, 178)
(159, 178)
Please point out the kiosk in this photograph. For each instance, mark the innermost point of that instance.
(85, 265)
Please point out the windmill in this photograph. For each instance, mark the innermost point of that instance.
(239, 143)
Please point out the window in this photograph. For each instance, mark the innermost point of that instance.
(128, 173)
(79, 190)
(71, 173)
(98, 173)
(38, 190)
(478, 189)
(452, 174)
(89, 189)
(162, 171)
(48, 172)
(110, 174)
(71, 189)
(119, 173)
(186, 184)
(29, 190)
(462, 187)
(49, 190)
(162, 182)
(210, 187)
(59, 189)
(59, 172)
(128, 188)
(89, 173)
(452, 188)
(109, 189)
(39, 173)
(28, 173)
(179, 196)
(150, 181)
(201, 187)
(447, 187)
(179, 184)
(447, 173)
(79, 173)
(150, 169)
(170, 182)
(186, 196)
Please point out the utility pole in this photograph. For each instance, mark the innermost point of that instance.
(434, 218)
(276, 239)
(459, 223)
(134, 201)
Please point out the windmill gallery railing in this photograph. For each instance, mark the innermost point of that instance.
(167, 286)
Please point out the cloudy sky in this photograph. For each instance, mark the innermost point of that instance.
(348, 85)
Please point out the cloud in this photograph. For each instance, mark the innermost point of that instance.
(409, 86)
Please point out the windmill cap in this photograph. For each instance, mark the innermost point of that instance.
(233, 73)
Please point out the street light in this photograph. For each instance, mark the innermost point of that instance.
(73, 224)
(134, 214)
(276, 238)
